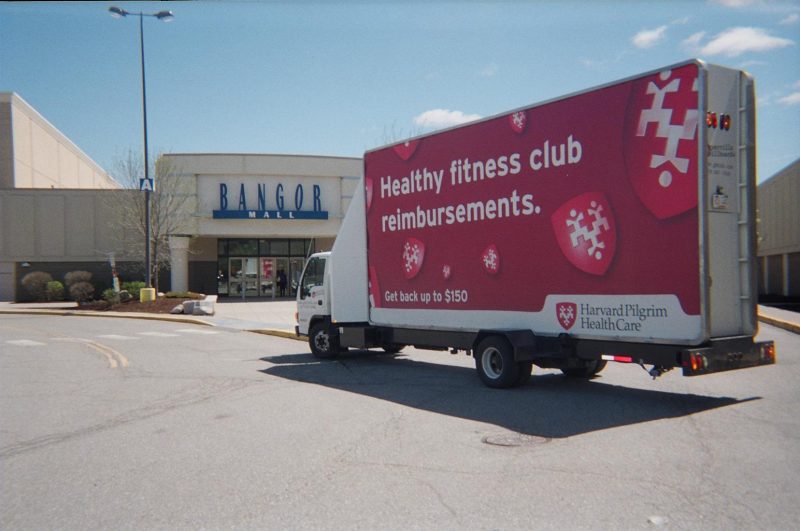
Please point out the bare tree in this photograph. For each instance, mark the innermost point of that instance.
(170, 204)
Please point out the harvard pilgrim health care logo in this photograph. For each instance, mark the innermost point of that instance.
(661, 146)
(586, 232)
(566, 313)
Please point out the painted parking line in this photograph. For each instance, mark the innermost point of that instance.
(197, 331)
(158, 334)
(117, 337)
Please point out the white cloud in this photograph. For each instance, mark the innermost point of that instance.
(489, 70)
(439, 118)
(693, 41)
(790, 19)
(791, 99)
(735, 41)
(649, 38)
(734, 3)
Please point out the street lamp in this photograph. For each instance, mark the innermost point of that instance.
(165, 16)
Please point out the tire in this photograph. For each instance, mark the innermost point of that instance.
(494, 360)
(393, 348)
(324, 343)
(525, 370)
(589, 369)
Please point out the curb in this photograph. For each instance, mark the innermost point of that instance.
(780, 323)
(277, 333)
(118, 315)
(144, 316)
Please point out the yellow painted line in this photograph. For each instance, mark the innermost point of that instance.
(115, 358)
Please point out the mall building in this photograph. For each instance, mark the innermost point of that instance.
(243, 221)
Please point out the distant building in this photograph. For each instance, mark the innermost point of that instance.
(34, 154)
(779, 233)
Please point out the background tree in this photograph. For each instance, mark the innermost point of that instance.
(170, 207)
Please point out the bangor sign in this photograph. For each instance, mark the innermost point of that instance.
(262, 212)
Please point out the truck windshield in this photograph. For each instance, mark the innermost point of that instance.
(312, 276)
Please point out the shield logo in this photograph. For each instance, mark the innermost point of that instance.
(375, 300)
(661, 141)
(566, 313)
(413, 256)
(518, 121)
(586, 232)
(368, 191)
(490, 259)
(406, 149)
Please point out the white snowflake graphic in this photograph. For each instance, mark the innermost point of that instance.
(665, 129)
(491, 260)
(446, 271)
(519, 119)
(579, 229)
(566, 314)
(411, 256)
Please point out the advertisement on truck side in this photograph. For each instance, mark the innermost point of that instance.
(575, 216)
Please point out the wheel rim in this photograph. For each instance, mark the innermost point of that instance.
(492, 363)
(322, 342)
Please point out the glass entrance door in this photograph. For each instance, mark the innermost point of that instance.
(243, 277)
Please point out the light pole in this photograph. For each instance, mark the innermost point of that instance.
(165, 16)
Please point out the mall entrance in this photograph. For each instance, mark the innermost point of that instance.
(260, 267)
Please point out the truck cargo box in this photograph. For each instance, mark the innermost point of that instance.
(624, 212)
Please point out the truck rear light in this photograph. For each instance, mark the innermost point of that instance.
(768, 352)
(697, 362)
(614, 357)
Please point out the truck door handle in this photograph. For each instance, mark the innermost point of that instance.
(319, 303)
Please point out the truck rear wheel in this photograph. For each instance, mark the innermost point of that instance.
(323, 342)
(589, 369)
(494, 360)
(393, 348)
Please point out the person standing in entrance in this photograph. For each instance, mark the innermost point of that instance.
(282, 283)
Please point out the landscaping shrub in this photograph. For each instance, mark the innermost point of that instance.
(111, 296)
(81, 291)
(184, 295)
(133, 287)
(54, 291)
(74, 277)
(36, 284)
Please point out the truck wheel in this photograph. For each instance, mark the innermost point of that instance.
(323, 343)
(494, 360)
(525, 369)
(393, 348)
(589, 369)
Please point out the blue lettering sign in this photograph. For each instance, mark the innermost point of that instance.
(242, 198)
(223, 196)
(279, 196)
(317, 198)
(262, 196)
(298, 197)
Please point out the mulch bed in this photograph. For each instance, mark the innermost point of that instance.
(162, 305)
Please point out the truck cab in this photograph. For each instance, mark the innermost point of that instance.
(313, 304)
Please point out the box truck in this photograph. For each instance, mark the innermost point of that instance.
(615, 224)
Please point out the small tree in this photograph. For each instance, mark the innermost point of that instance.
(169, 204)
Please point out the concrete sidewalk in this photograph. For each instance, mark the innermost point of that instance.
(277, 317)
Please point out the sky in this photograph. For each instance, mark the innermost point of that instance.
(341, 77)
